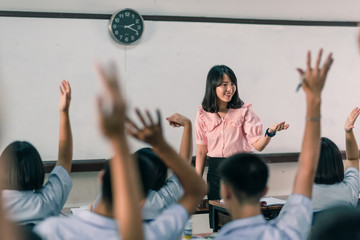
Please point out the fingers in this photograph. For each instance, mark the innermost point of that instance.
(327, 64)
(354, 114)
(318, 59)
(142, 120)
(301, 72)
(158, 117)
(61, 91)
(308, 63)
(280, 126)
(149, 117)
(109, 79)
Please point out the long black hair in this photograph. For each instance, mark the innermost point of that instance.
(213, 80)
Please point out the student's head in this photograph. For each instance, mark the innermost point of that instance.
(221, 83)
(146, 169)
(330, 168)
(160, 169)
(337, 223)
(245, 174)
(23, 167)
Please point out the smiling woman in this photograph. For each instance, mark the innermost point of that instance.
(225, 125)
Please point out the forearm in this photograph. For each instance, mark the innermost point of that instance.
(352, 149)
(310, 152)
(200, 162)
(261, 143)
(126, 190)
(186, 142)
(65, 154)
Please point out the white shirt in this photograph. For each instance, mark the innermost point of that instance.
(25, 207)
(344, 193)
(89, 225)
(293, 223)
(157, 201)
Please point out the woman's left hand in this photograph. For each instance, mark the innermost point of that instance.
(277, 127)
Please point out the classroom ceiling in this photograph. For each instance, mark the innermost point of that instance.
(344, 10)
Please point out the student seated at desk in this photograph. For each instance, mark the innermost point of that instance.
(25, 198)
(100, 224)
(165, 192)
(333, 187)
(244, 178)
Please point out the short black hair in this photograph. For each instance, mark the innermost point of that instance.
(341, 222)
(330, 169)
(23, 167)
(213, 80)
(246, 174)
(146, 169)
(160, 169)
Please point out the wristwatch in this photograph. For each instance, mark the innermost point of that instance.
(269, 134)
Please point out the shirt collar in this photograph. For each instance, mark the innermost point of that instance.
(236, 225)
(97, 219)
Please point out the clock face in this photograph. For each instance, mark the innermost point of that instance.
(126, 26)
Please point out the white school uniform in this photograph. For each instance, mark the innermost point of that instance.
(345, 193)
(293, 222)
(24, 207)
(89, 225)
(157, 201)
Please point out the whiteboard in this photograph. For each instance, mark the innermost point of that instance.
(167, 70)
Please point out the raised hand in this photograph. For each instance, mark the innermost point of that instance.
(150, 131)
(350, 121)
(177, 120)
(315, 77)
(65, 97)
(277, 127)
(111, 106)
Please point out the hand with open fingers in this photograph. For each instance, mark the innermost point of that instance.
(65, 96)
(315, 77)
(150, 131)
(350, 121)
(177, 120)
(111, 112)
(277, 127)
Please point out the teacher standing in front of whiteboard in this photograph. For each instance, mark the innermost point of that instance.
(225, 125)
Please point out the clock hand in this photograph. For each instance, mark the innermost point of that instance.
(133, 29)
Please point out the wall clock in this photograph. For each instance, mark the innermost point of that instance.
(126, 26)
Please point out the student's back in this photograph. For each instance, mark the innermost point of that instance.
(25, 198)
(332, 186)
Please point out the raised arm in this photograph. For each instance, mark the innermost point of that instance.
(151, 132)
(310, 150)
(177, 120)
(65, 154)
(261, 143)
(352, 149)
(124, 172)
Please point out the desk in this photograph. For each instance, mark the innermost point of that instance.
(221, 215)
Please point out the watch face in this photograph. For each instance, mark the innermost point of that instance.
(126, 26)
